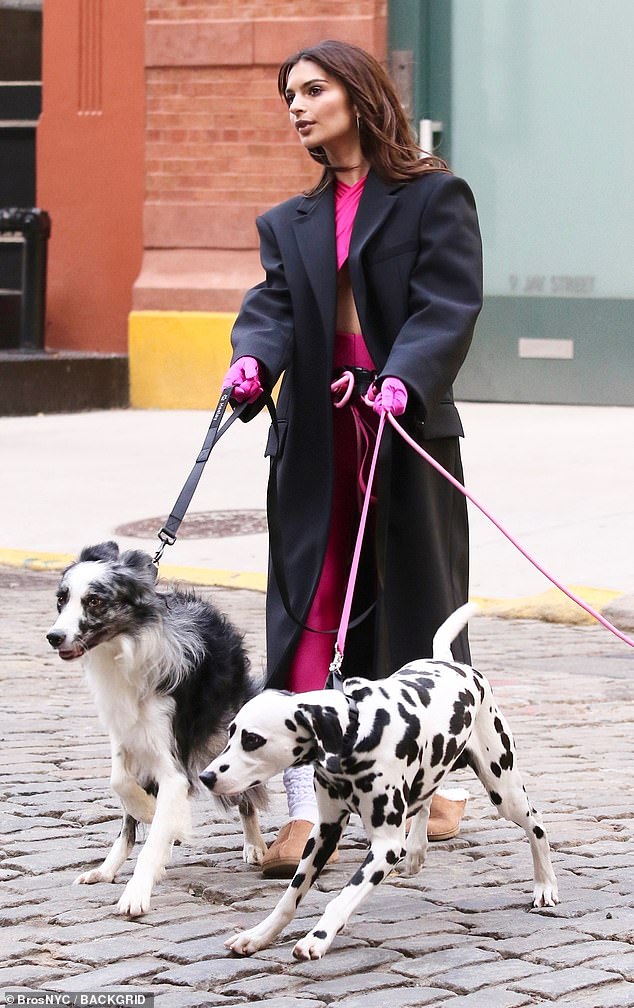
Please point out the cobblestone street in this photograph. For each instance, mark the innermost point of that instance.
(461, 933)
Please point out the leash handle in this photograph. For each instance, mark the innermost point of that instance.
(463, 490)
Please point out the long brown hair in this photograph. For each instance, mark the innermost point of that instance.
(387, 139)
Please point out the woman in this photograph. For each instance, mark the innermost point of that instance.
(377, 268)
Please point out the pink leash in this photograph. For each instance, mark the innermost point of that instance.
(337, 659)
(571, 595)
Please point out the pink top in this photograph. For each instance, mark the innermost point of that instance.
(350, 351)
(346, 203)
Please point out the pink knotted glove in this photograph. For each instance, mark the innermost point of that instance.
(391, 397)
(244, 375)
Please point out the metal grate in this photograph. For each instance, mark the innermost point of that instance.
(201, 525)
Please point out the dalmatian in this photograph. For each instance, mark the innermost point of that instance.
(380, 750)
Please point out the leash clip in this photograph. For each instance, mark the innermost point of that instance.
(334, 670)
(166, 539)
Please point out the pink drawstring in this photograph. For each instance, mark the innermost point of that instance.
(363, 430)
(571, 595)
(345, 384)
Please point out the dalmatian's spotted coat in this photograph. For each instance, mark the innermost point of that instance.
(380, 750)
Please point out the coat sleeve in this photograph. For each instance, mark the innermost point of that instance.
(445, 295)
(264, 326)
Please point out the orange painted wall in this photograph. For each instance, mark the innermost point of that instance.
(90, 168)
(161, 138)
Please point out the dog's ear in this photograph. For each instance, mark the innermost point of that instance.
(141, 563)
(102, 551)
(324, 724)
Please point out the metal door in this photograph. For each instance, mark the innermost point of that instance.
(534, 99)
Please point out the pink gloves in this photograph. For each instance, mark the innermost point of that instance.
(392, 397)
(244, 375)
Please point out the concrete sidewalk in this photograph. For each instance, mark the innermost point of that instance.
(559, 478)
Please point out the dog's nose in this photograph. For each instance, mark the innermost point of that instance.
(55, 637)
(209, 778)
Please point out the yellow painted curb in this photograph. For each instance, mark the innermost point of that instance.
(215, 578)
(177, 359)
(551, 606)
(35, 561)
(55, 562)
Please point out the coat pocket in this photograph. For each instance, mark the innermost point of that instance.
(274, 444)
(444, 421)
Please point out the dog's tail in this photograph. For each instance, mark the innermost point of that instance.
(450, 630)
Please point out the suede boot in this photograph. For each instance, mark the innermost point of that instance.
(447, 810)
(284, 854)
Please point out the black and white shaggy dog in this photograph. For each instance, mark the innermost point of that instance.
(380, 749)
(168, 672)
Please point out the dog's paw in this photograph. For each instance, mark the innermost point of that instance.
(545, 894)
(245, 943)
(414, 861)
(92, 876)
(313, 946)
(253, 854)
(135, 900)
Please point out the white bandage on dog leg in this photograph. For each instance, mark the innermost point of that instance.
(300, 793)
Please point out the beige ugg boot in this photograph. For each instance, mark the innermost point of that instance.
(447, 810)
(284, 854)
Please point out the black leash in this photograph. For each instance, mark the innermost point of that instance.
(168, 533)
(277, 549)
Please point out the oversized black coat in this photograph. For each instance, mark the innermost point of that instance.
(416, 274)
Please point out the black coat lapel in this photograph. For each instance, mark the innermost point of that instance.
(314, 228)
(315, 233)
(377, 202)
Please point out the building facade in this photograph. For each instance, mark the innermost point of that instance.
(161, 137)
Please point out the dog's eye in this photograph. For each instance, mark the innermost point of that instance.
(62, 598)
(251, 741)
(94, 602)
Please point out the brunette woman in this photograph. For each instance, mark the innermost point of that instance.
(376, 271)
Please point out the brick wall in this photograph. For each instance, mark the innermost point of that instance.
(219, 148)
(220, 134)
(249, 10)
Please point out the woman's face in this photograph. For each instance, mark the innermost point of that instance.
(321, 111)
